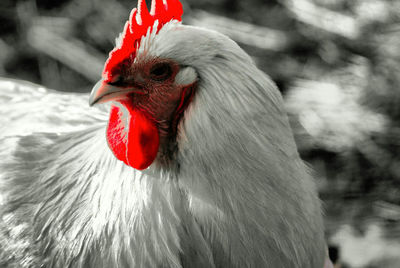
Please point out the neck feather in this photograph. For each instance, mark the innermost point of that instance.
(245, 180)
(82, 207)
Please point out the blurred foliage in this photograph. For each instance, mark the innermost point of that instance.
(337, 62)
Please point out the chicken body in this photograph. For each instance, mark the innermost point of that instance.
(234, 192)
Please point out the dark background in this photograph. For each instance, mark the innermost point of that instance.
(337, 63)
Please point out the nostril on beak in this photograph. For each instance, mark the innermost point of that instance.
(104, 92)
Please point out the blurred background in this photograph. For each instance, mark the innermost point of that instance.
(337, 63)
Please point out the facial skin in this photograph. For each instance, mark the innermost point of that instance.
(153, 87)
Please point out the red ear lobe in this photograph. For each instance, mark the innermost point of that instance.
(134, 141)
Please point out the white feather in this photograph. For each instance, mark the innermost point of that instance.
(237, 196)
(248, 187)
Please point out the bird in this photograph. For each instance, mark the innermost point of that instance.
(183, 157)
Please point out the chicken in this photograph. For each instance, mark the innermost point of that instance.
(195, 165)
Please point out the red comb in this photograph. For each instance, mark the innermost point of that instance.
(139, 21)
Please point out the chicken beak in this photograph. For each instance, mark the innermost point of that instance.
(103, 92)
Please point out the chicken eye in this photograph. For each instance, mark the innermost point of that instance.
(160, 71)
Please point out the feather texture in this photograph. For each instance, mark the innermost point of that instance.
(26, 107)
(236, 195)
(67, 202)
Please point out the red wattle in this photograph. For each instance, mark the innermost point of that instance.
(143, 141)
(116, 134)
(135, 140)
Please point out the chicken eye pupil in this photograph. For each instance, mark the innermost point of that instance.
(160, 71)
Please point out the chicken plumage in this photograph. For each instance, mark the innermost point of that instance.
(226, 187)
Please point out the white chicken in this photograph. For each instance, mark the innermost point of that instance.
(196, 166)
